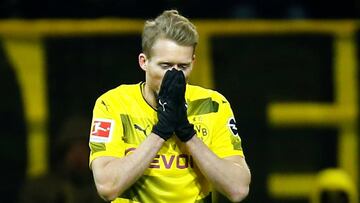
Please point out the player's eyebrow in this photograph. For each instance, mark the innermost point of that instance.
(173, 63)
(184, 64)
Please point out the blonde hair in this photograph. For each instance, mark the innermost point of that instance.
(169, 25)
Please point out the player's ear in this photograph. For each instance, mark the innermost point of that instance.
(143, 60)
(192, 61)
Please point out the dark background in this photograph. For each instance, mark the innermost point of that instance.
(265, 9)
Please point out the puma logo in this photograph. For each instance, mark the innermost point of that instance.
(162, 104)
(137, 127)
(106, 106)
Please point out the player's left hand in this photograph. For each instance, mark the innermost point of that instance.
(184, 130)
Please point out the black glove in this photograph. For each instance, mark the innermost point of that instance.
(184, 130)
(168, 102)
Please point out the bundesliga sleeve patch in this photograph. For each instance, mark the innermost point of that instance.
(235, 138)
(232, 126)
(101, 130)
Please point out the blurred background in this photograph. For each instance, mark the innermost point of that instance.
(288, 67)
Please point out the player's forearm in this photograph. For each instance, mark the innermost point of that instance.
(117, 175)
(230, 178)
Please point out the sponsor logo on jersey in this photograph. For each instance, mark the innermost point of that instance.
(101, 130)
(169, 161)
(232, 126)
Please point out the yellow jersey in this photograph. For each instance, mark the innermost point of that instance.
(121, 121)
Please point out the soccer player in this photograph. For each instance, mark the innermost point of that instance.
(164, 140)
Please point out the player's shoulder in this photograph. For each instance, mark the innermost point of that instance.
(195, 92)
(120, 92)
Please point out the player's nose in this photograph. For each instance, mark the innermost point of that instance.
(176, 67)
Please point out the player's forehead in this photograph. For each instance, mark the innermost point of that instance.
(166, 50)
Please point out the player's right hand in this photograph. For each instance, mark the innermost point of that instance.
(168, 102)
